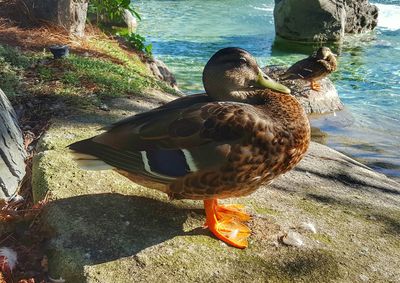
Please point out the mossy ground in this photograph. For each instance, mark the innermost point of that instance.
(108, 229)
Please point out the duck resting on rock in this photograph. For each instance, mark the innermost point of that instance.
(244, 132)
(313, 68)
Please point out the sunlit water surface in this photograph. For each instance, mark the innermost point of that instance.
(184, 34)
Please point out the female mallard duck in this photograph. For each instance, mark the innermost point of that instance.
(313, 68)
(244, 132)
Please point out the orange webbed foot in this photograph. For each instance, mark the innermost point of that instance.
(225, 222)
(315, 86)
(232, 211)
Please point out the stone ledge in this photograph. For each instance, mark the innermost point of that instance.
(107, 229)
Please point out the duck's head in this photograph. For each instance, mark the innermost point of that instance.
(233, 74)
(324, 53)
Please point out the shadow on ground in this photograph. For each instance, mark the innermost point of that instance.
(110, 226)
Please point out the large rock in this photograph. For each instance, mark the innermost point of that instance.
(323, 20)
(360, 16)
(68, 14)
(162, 72)
(12, 152)
(310, 20)
(326, 100)
(130, 20)
(105, 228)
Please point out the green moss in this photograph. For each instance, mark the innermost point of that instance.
(323, 238)
(70, 264)
(265, 210)
(39, 178)
(311, 207)
(207, 240)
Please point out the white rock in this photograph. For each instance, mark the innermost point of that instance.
(9, 257)
(292, 238)
(130, 20)
(308, 226)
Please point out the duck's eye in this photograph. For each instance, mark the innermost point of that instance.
(243, 60)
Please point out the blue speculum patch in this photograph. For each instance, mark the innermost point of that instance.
(171, 163)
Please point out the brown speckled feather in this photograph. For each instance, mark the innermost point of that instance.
(277, 137)
(236, 146)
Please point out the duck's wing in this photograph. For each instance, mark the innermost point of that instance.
(171, 142)
(305, 69)
(180, 103)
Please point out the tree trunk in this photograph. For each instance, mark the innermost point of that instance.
(69, 14)
(12, 152)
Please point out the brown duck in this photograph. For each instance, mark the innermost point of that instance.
(243, 133)
(313, 68)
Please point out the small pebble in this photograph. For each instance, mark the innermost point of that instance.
(308, 226)
(292, 239)
(69, 136)
(15, 199)
(364, 250)
(104, 107)
(363, 278)
(52, 280)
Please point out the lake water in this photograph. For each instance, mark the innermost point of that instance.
(186, 33)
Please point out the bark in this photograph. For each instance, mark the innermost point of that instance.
(68, 14)
(12, 152)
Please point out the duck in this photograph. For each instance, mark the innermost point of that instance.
(313, 68)
(244, 131)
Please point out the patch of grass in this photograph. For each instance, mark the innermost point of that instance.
(15, 57)
(45, 73)
(9, 78)
(109, 71)
(70, 78)
(110, 79)
(112, 49)
(12, 64)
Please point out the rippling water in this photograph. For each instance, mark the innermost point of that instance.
(186, 33)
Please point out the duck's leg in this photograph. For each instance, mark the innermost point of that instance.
(227, 225)
(315, 86)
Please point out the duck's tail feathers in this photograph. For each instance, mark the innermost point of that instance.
(87, 161)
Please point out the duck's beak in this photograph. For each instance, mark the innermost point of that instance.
(263, 81)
